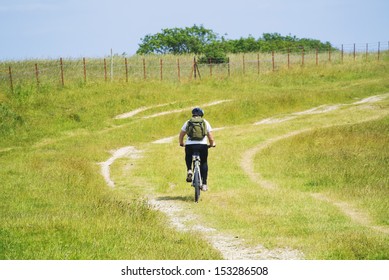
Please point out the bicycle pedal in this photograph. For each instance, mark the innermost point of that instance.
(189, 178)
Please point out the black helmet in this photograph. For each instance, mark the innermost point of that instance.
(197, 112)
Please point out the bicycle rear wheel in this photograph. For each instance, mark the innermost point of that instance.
(196, 185)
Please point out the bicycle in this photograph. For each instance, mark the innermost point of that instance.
(197, 181)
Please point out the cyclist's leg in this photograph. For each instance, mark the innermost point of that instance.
(188, 156)
(188, 161)
(204, 163)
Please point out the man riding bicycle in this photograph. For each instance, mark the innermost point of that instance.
(197, 130)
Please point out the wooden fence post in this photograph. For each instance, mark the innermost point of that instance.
(354, 54)
(161, 68)
(317, 58)
(302, 56)
(228, 66)
(210, 67)
(144, 69)
(10, 79)
(194, 68)
(288, 58)
(126, 65)
(341, 54)
(379, 45)
(105, 69)
(258, 63)
(62, 77)
(178, 70)
(84, 63)
(244, 66)
(272, 60)
(37, 75)
(329, 53)
(111, 72)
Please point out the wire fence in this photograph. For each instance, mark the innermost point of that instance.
(61, 72)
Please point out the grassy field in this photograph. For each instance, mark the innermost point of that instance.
(56, 204)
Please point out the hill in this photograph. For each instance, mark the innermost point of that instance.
(274, 185)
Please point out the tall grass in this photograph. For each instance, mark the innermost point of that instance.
(286, 216)
(43, 75)
(56, 205)
(349, 163)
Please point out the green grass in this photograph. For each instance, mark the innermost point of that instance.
(59, 208)
(347, 162)
(56, 205)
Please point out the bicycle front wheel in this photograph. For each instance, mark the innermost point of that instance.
(196, 185)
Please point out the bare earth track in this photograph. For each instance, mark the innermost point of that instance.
(233, 247)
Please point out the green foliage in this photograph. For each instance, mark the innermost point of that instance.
(214, 53)
(273, 42)
(178, 41)
(199, 40)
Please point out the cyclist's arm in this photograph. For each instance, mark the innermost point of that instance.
(181, 138)
(211, 139)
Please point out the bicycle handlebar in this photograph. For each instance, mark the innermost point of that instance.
(209, 146)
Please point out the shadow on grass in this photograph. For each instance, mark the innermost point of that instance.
(187, 198)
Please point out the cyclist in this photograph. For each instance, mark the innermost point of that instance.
(197, 144)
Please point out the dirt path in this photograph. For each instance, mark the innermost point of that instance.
(247, 161)
(142, 109)
(234, 247)
(355, 214)
(231, 247)
(321, 109)
(129, 151)
(247, 164)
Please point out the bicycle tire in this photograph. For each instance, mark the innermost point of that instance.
(196, 185)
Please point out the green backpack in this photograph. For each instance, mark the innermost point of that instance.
(196, 129)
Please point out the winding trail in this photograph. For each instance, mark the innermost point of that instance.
(233, 247)
(128, 151)
(321, 110)
(142, 109)
(355, 214)
(247, 162)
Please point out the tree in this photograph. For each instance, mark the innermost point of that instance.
(273, 42)
(201, 41)
(178, 41)
(214, 52)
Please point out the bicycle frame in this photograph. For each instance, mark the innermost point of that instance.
(197, 180)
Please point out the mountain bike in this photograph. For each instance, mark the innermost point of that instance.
(197, 179)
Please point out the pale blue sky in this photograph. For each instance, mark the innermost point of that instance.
(77, 28)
